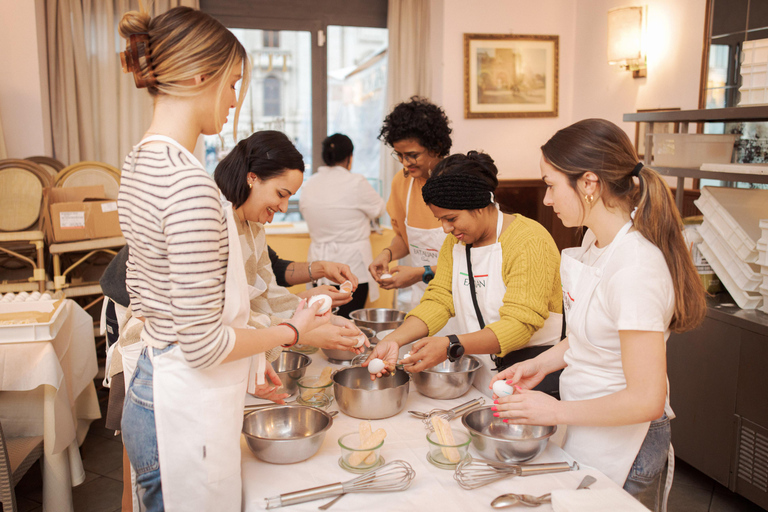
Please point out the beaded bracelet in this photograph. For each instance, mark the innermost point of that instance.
(296, 335)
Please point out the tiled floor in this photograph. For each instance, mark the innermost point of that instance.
(101, 491)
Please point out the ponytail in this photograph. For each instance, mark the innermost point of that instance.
(658, 220)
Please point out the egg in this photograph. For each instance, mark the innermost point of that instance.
(360, 340)
(46, 296)
(346, 287)
(21, 297)
(501, 388)
(376, 365)
(34, 296)
(325, 301)
(386, 276)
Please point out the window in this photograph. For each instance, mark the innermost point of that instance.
(272, 96)
(271, 39)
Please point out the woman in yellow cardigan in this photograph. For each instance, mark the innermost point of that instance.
(516, 310)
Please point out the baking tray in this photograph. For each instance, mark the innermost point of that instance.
(42, 331)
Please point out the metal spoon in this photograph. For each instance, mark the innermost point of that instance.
(510, 499)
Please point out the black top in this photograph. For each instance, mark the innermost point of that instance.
(279, 266)
(113, 280)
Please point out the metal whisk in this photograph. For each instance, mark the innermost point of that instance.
(448, 414)
(392, 477)
(474, 473)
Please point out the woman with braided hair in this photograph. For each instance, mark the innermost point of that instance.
(497, 274)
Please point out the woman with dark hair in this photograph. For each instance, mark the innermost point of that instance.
(497, 274)
(418, 132)
(630, 283)
(259, 176)
(338, 206)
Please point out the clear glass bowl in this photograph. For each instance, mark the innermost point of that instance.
(447, 456)
(355, 460)
(312, 394)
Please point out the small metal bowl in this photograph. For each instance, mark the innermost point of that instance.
(360, 397)
(290, 367)
(338, 356)
(378, 319)
(285, 434)
(447, 380)
(506, 442)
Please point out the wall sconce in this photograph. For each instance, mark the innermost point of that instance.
(626, 39)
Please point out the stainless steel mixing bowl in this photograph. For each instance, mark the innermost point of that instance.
(290, 367)
(345, 356)
(284, 434)
(447, 380)
(378, 319)
(506, 442)
(360, 397)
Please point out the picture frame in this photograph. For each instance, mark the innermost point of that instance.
(510, 75)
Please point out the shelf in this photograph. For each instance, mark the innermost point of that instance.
(692, 172)
(714, 115)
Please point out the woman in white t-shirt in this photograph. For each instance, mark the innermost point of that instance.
(630, 283)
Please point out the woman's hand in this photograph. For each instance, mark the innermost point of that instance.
(338, 298)
(379, 265)
(528, 407)
(524, 375)
(268, 391)
(305, 319)
(336, 272)
(387, 351)
(427, 353)
(338, 334)
(402, 277)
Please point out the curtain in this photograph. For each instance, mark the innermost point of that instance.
(97, 113)
(410, 68)
(3, 151)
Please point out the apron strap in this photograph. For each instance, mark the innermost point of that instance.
(408, 200)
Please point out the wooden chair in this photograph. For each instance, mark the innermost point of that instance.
(17, 454)
(21, 236)
(84, 174)
(51, 165)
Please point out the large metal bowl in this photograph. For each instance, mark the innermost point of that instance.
(290, 367)
(285, 434)
(360, 397)
(378, 319)
(506, 442)
(338, 356)
(447, 380)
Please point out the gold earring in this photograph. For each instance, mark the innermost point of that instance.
(589, 198)
(250, 185)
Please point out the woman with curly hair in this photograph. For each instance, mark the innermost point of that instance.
(418, 132)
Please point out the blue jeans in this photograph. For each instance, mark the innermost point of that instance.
(645, 478)
(140, 434)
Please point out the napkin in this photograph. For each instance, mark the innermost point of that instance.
(595, 500)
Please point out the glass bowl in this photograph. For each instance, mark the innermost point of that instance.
(447, 456)
(304, 349)
(355, 460)
(312, 394)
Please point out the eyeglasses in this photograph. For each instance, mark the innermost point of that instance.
(410, 158)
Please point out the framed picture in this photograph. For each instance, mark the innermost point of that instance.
(642, 129)
(510, 75)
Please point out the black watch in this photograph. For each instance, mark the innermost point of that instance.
(428, 275)
(455, 348)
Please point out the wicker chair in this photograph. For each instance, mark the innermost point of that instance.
(17, 454)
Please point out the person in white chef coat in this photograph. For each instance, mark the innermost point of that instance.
(497, 276)
(182, 415)
(630, 283)
(338, 206)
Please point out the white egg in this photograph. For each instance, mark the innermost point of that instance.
(501, 388)
(325, 301)
(21, 297)
(34, 296)
(360, 340)
(386, 276)
(346, 287)
(376, 365)
(46, 296)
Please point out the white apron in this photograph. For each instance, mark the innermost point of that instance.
(199, 412)
(424, 247)
(487, 264)
(612, 450)
(347, 253)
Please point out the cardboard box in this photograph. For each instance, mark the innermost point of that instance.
(79, 213)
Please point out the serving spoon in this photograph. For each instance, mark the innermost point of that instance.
(511, 499)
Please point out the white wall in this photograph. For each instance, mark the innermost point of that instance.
(588, 87)
(24, 81)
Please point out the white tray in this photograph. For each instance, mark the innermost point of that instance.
(745, 300)
(31, 332)
(745, 275)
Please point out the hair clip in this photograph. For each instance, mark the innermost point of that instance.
(136, 59)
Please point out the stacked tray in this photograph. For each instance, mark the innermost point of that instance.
(762, 260)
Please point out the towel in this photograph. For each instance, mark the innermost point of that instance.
(595, 500)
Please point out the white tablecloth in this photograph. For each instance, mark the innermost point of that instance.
(432, 488)
(48, 390)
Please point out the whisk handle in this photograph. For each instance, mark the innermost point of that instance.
(550, 467)
(467, 406)
(294, 498)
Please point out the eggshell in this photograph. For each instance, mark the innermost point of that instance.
(501, 388)
(360, 340)
(376, 365)
(386, 276)
(346, 287)
(325, 300)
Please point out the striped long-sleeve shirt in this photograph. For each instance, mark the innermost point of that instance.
(172, 220)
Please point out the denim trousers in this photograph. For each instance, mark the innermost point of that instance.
(645, 481)
(140, 433)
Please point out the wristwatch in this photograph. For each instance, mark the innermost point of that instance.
(455, 348)
(428, 274)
